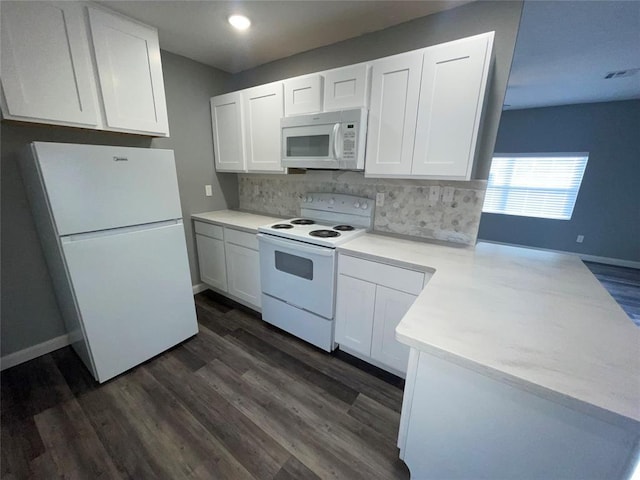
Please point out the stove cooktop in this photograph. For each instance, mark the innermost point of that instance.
(325, 234)
(327, 219)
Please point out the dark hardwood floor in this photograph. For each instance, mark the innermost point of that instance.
(241, 400)
(623, 284)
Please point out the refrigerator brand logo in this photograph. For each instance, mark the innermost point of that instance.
(120, 159)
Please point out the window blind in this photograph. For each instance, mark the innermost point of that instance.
(535, 185)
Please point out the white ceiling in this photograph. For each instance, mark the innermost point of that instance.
(564, 50)
(199, 29)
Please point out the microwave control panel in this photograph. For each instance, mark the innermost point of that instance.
(349, 141)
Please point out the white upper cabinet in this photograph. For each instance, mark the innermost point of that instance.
(228, 142)
(127, 57)
(303, 95)
(426, 109)
(263, 108)
(66, 63)
(46, 65)
(395, 90)
(454, 79)
(347, 87)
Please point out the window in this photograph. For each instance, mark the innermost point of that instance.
(543, 185)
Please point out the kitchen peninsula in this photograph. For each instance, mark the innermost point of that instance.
(521, 364)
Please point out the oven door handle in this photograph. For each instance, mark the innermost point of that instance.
(298, 246)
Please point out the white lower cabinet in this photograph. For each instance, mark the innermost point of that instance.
(390, 307)
(354, 313)
(243, 271)
(211, 259)
(459, 422)
(371, 300)
(229, 262)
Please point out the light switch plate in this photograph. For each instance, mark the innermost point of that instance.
(208, 191)
(580, 239)
(447, 195)
(379, 199)
(434, 194)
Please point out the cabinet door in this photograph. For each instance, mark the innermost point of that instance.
(395, 88)
(454, 80)
(390, 307)
(127, 57)
(303, 95)
(46, 65)
(226, 121)
(211, 259)
(243, 268)
(263, 108)
(354, 313)
(347, 87)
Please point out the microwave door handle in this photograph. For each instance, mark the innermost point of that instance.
(324, 252)
(336, 130)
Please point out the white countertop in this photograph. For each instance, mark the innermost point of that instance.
(249, 222)
(533, 318)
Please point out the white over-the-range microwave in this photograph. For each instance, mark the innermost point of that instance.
(329, 140)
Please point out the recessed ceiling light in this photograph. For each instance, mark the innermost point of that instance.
(240, 22)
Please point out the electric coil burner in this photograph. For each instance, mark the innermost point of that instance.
(324, 233)
(302, 221)
(298, 264)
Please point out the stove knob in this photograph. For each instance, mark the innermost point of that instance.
(357, 204)
(332, 201)
(309, 199)
(364, 206)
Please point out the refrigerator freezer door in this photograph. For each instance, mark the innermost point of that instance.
(94, 188)
(133, 290)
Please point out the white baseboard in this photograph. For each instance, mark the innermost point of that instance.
(619, 262)
(609, 261)
(35, 351)
(199, 287)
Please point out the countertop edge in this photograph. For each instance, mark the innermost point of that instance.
(603, 414)
(224, 224)
(344, 249)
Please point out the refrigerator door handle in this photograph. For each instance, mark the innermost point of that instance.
(119, 231)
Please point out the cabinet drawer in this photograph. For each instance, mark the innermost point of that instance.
(244, 239)
(213, 231)
(397, 278)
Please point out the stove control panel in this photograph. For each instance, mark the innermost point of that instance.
(337, 202)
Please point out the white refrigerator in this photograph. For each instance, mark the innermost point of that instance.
(110, 223)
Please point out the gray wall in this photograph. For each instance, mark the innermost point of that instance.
(30, 313)
(607, 211)
(471, 19)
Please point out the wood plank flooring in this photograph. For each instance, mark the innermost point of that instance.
(241, 400)
(623, 284)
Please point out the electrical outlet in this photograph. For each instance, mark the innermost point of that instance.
(434, 194)
(580, 239)
(379, 199)
(208, 191)
(447, 195)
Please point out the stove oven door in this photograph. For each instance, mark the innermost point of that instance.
(298, 273)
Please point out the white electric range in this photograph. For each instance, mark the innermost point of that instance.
(298, 264)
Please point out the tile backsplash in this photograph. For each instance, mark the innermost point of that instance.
(406, 210)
